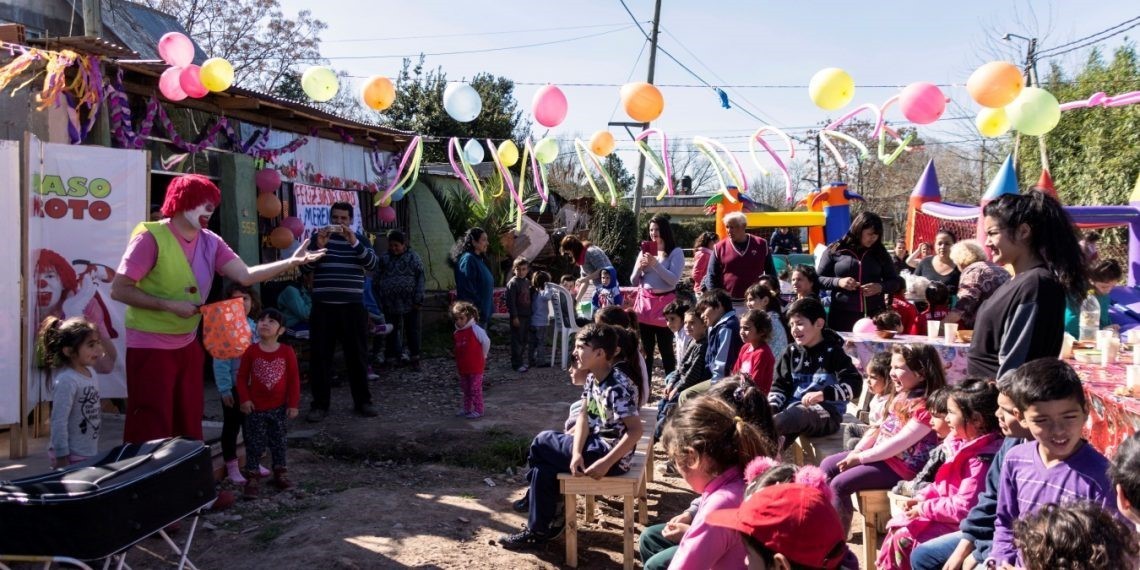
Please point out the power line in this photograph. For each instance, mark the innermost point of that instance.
(469, 34)
(484, 50)
(1090, 36)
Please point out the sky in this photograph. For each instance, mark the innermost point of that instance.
(763, 52)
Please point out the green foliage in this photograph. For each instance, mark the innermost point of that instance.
(686, 232)
(624, 180)
(616, 231)
(1094, 154)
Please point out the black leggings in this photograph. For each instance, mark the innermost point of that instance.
(232, 420)
(662, 338)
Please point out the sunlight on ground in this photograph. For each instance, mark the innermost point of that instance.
(378, 544)
(465, 501)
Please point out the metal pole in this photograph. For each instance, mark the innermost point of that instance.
(652, 66)
(819, 160)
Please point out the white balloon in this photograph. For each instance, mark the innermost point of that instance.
(474, 151)
(462, 102)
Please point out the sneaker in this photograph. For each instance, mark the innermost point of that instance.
(263, 471)
(523, 368)
(367, 411)
(316, 415)
(523, 539)
(473, 415)
(461, 413)
(372, 376)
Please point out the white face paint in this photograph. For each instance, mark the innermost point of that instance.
(199, 217)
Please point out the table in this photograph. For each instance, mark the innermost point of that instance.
(1112, 418)
(498, 299)
(861, 347)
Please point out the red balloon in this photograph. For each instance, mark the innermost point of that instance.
(281, 237)
(267, 180)
(295, 225)
(190, 79)
(386, 214)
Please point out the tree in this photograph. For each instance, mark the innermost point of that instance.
(687, 160)
(255, 36)
(419, 108)
(624, 181)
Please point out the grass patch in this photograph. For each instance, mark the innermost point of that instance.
(268, 534)
(499, 449)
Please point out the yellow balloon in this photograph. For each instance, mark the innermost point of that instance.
(508, 153)
(216, 74)
(602, 143)
(320, 83)
(831, 88)
(992, 122)
(546, 150)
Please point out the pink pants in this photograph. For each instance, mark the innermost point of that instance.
(472, 386)
(164, 393)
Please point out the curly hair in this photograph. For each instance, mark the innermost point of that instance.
(189, 191)
(1075, 536)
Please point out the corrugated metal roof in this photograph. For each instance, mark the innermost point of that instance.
(139, 27)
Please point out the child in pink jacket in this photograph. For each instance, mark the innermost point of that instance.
(939, 508)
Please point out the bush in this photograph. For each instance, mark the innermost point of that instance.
(610, 230)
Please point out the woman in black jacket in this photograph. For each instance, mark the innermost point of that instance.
(858, 270)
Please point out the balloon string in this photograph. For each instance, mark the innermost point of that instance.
(757, 137)
(579, 149)
(661, 164)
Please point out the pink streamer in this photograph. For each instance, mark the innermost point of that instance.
(864, 107)
(452, 147)
(396, 180)
(758, 136)
(1099, 99)
(534, 168)
(506, 174)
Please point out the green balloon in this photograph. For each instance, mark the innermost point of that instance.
(1034, 112)
(546, 151)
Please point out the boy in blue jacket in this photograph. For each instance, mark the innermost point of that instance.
(715, 308)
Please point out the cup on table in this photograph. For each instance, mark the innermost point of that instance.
(1132, 377)
(1103, 337)
(1067, 346)
(950, 332)
(932, 329)
(1109, 351)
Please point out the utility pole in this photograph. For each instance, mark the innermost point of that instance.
(819, 160)
(652, 66)
(93, 27)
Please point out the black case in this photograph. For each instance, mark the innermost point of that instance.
(92, 511)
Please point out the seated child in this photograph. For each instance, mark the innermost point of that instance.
(888, 321)
(902, 444)
(1125, 472)
(609, 293)
(1075, 536)
(675, 320)
(755, 360)
(716, 310)
(814, 377)
(880, 390)
(937, 301)
(691, 369)
(1104, 275)
(938, 509)
(569, 283)
(602, 444)
(1057, 466)
(936, 405)
(763, 298)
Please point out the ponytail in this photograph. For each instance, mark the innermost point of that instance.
(710, 428)
(57, 335)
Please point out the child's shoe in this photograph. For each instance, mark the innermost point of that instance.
(281, 478)
(263, 471)
(233, 472)
(473, 415)
(461, 413)
(252, 488)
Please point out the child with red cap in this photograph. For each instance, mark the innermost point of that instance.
(788, 526)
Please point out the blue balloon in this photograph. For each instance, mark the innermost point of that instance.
(399, 193)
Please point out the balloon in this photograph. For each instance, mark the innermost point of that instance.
(474, 151)
(281, 237)
(295, 225)
(176, 49)
(267, 180)
(217, 74)
(320, 83)
(386, 214)
(992, 122)
(549, 106)
(1034, 112)
(995, 84)
(922, 103)
(508, 153)
(268, 205)
(602, 143)
(399, 194)
(462, 102)
(546, 151)
(864, 326)
(168, 84)
(642, 101)
(831, 88)
(378, 93)
(191, 82)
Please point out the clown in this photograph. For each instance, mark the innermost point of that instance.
(60, 292)
(164, 276)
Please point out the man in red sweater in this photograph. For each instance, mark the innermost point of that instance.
(738, 261)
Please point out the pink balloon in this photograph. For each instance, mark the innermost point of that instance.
(922, 103)
(549, 106)
(386, 214)
(295, 225)
(168, 84)
(864, 326)
(267, 180)
(191, 81)
(176, 49)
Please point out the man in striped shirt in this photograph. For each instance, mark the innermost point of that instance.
(338, 311)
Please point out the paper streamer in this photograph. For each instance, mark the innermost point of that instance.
(414, 153)
(661, 164)
(466, 174)
(505, 174)
(758, 137)
(1099, 99)
(538, 172)
(580, 148)
(713, 150)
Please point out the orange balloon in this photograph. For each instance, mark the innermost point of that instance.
(281, 237)
(378, 93)
(268, 205)
(602, 143)
(995, 84)
(642, 101)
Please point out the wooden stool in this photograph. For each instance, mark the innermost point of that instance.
(875, 507)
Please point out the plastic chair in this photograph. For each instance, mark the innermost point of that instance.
(565, 325)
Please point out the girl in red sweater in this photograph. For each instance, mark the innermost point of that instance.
(471, 348)
(269, 389)
(756, 359)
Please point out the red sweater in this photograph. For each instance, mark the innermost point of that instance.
(471, 346)
(758, 363)
(269, 379)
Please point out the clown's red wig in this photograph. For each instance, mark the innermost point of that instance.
(187, 192)
(48, 259)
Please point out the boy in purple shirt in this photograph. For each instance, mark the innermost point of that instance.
(1058, 466)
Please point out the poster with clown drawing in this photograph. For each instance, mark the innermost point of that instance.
(83, 203)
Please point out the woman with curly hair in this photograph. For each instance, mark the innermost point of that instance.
(473, 280)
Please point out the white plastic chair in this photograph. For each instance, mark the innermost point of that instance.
(565, 325)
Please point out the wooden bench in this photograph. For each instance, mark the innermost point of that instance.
(875, 507)
(632, 486)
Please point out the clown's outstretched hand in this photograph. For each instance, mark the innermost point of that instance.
(304, 256)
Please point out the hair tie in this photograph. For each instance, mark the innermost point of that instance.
(737, 419)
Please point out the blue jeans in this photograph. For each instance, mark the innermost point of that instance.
(550, 453)
(932, 554)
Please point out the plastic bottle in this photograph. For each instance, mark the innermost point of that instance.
(1090, 318)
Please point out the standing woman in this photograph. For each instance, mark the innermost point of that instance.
(858, 270)
(1023, 320)
(473, 280)
(589, 258)
(655, 275)
(939, 267)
